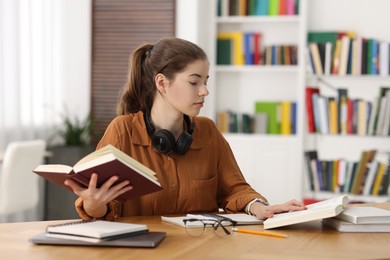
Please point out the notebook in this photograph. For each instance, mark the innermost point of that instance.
(94, 231)
(147, 240)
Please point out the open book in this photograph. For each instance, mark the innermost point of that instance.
(94, 231)
(316, 211)
(106, 162)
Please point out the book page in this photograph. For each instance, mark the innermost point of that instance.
(340, 200)
(56, 168)
(110, 149)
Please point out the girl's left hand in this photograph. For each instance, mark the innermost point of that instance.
(262, 212)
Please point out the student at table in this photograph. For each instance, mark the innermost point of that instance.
(158, 125)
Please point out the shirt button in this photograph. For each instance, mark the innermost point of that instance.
(173, 185)
(169, 158)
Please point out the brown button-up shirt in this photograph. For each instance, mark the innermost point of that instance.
(206, 178)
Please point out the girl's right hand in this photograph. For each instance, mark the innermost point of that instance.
(95, 199)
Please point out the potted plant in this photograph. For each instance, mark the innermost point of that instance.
(75, 135)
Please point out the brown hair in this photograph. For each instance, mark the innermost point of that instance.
(168, 56)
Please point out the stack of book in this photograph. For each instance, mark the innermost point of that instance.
(360, 219)
(99, 233)
(337, 213)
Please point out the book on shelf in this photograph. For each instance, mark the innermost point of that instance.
(384, 52)
(257, 7)
(333, 116)
(386, 120)
(311, 158)
(261, 123)
(94, 231)
(316, 211)
(106, 162)
(309, 91)
(240, 218)
(315, 54)
(342, 110)
(224, 52)
(368, 176)
(286, 120)
(237, 39)
(345, 226)
(272, 109)
(361, 170)
(354, 115)
(345, 53)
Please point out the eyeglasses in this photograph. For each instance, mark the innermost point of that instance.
(222, 227)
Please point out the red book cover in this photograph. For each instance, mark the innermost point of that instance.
(106, 162)
(282, 7)
(309, 108)
(349, 116)
(257, 48)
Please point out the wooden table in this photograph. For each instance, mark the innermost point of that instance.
(306, 241)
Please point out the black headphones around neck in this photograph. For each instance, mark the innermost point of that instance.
(164, 141)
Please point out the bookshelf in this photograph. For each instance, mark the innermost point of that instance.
(364, 86)
(274, 164)
(271, 163)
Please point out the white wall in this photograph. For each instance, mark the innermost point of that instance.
(76, 55)
(368, 18)
(193, 19)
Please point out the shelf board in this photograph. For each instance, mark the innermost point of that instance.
(259, 19)
(261, 137)
(322, 195)
(347, 77)
(258, 68)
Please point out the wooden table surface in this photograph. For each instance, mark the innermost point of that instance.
(308, 240)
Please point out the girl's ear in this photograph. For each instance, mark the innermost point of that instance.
(161, 82)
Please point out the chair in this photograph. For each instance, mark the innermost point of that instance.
(19, 186)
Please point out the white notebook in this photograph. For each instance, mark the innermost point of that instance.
(94, 231)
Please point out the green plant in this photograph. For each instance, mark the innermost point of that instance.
(75, 131)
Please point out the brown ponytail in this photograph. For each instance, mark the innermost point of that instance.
(168, 56)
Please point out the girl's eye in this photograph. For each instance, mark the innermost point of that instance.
(196, 83)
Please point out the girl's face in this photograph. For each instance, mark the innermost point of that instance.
(187, 91)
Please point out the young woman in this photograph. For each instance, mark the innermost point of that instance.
(158, 125)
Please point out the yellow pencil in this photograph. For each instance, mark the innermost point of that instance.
(259, 233)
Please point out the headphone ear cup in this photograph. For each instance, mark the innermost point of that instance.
(183, 143)
(163, 141)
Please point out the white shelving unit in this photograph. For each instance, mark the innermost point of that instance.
(271, 163)
(367, 18)
(274, 164)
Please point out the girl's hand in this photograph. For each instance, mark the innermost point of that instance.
(262, 212)
(95, 199)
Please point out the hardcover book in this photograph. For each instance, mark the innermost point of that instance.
(106, 162)
(272, 109)
(345, 226)
(365, 215)
(316, 211)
